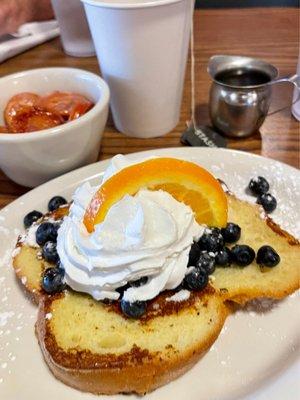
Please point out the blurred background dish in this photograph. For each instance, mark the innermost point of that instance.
(74, 30)
(33, 158)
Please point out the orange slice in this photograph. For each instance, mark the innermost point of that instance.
(185, 181)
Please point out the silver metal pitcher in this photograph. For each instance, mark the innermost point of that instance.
(239, 110)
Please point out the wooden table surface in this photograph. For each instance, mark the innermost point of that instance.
(267, 33)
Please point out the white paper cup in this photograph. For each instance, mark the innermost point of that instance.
(74, 30)
(142, 48)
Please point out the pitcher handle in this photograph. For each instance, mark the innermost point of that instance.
(294, 80)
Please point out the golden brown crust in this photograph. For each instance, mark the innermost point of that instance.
(160, 306)
(31, 290)
(281, 232)
(137, 371)
(87, 360)
(253, 293)
(140, 378)
(273, 225)
(60, 212)
(249, 290)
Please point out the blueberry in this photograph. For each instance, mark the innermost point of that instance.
(268, 202)
(211, 241)
(194, 255)
(49, 252)
(56, 202)
(214, 231)
(122, 289)
(53, 280)
(133, 310)
(31, 217)
(197, 279)
(179, 287)
(258, 185)
(267, 257)
(242, 254)
(46, 232)
(139, 282)
(207, 262)
(223, 258)
(231, 233)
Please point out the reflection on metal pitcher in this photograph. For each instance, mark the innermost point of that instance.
(240, 94)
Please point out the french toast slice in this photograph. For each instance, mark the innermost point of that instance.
(29, 266)
(28, 262)
(234, 283)
(243, 284)
(93, 347)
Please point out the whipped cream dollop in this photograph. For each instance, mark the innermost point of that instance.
(146, 235)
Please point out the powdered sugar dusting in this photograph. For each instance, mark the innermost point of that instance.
(48, 315)
(24, 280)
(285, 187)
(13, 320)
(6, 258)
(4, 317)
(16, 251)
(182, 295)
(29, 237)
(4, 231)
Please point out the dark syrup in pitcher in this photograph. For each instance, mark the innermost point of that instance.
(242, 77)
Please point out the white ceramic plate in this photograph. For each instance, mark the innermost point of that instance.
(257, 354)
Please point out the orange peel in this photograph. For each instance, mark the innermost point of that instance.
(185, 181)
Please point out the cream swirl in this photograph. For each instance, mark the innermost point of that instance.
(146, 235)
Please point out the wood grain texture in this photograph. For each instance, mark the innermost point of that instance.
(268, 33)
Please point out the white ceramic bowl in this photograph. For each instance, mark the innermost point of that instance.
(33, 158)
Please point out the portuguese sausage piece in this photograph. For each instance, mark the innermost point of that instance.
(18, 105)
(35, 120)
(68, 105)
